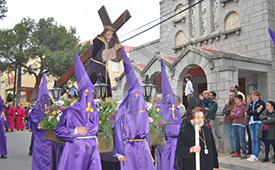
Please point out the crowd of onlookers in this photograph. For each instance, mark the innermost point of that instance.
(246, 117)
(18, 116)
(253, 116)
(249, 118)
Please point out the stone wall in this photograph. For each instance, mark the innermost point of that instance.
(252, 16)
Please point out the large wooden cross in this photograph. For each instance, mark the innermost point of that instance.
(86, 56)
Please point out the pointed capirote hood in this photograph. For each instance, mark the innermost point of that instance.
(168, 95)
(81, 76)
(1, 104)
(168, 108)
(43, 96)
(84, 83)
(133, 104)
(131, 78)
(272, 35)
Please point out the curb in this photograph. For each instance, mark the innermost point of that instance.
(236, 166)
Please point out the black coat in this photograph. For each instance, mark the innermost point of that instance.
(186, 140)
(254, 113)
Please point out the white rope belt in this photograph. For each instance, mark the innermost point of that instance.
(87, 137)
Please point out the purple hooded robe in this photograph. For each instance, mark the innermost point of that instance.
(80, 152)
(4, 124)
(171, 113)
(131, 125)
(42, 149)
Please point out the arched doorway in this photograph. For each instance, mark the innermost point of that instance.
(156, 79)
(198, 79)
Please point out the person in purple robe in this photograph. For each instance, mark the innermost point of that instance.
(102, 53)
(79, 126)
(131, 126)
(4, 124)
(169, 112)
(41, 149)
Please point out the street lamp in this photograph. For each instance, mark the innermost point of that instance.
(147, 88)
(55, 91)
(100, 87)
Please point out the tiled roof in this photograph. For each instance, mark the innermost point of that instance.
(171, 59)
(127, 48)
(213, 52)
(141, 66)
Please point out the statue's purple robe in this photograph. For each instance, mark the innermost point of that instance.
(131, 126)
(4, 124)
(167, 156)
(41, 149)
(82, 154)
(99, 66)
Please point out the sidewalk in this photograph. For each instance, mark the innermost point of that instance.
(225, 161)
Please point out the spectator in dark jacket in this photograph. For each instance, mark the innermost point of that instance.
(267, 129)
(255, 108)
(228, 120)
(211, 110)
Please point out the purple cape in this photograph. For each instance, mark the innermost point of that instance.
(41, 148)
(167, 105)
(131, 123)
(3, 126)
(80, 153)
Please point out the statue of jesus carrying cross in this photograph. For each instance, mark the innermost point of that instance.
(106, 47)
(102, 53)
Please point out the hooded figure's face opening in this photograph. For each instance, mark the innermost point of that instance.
(86, 92)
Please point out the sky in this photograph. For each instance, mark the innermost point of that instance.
(83, 15)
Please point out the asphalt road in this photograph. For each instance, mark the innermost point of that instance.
(18, 148)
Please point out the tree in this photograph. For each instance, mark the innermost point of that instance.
(15, 47)
(3, 8)
(49, 45)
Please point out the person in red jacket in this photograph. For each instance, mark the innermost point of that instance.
(238, 125)
(10, 112)
(19, 112)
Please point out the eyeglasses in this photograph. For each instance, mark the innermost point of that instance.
(199, 118)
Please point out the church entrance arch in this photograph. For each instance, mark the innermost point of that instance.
(156, 79)
(198, 79)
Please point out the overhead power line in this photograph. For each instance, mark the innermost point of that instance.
(161, 22)
(148, 23)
